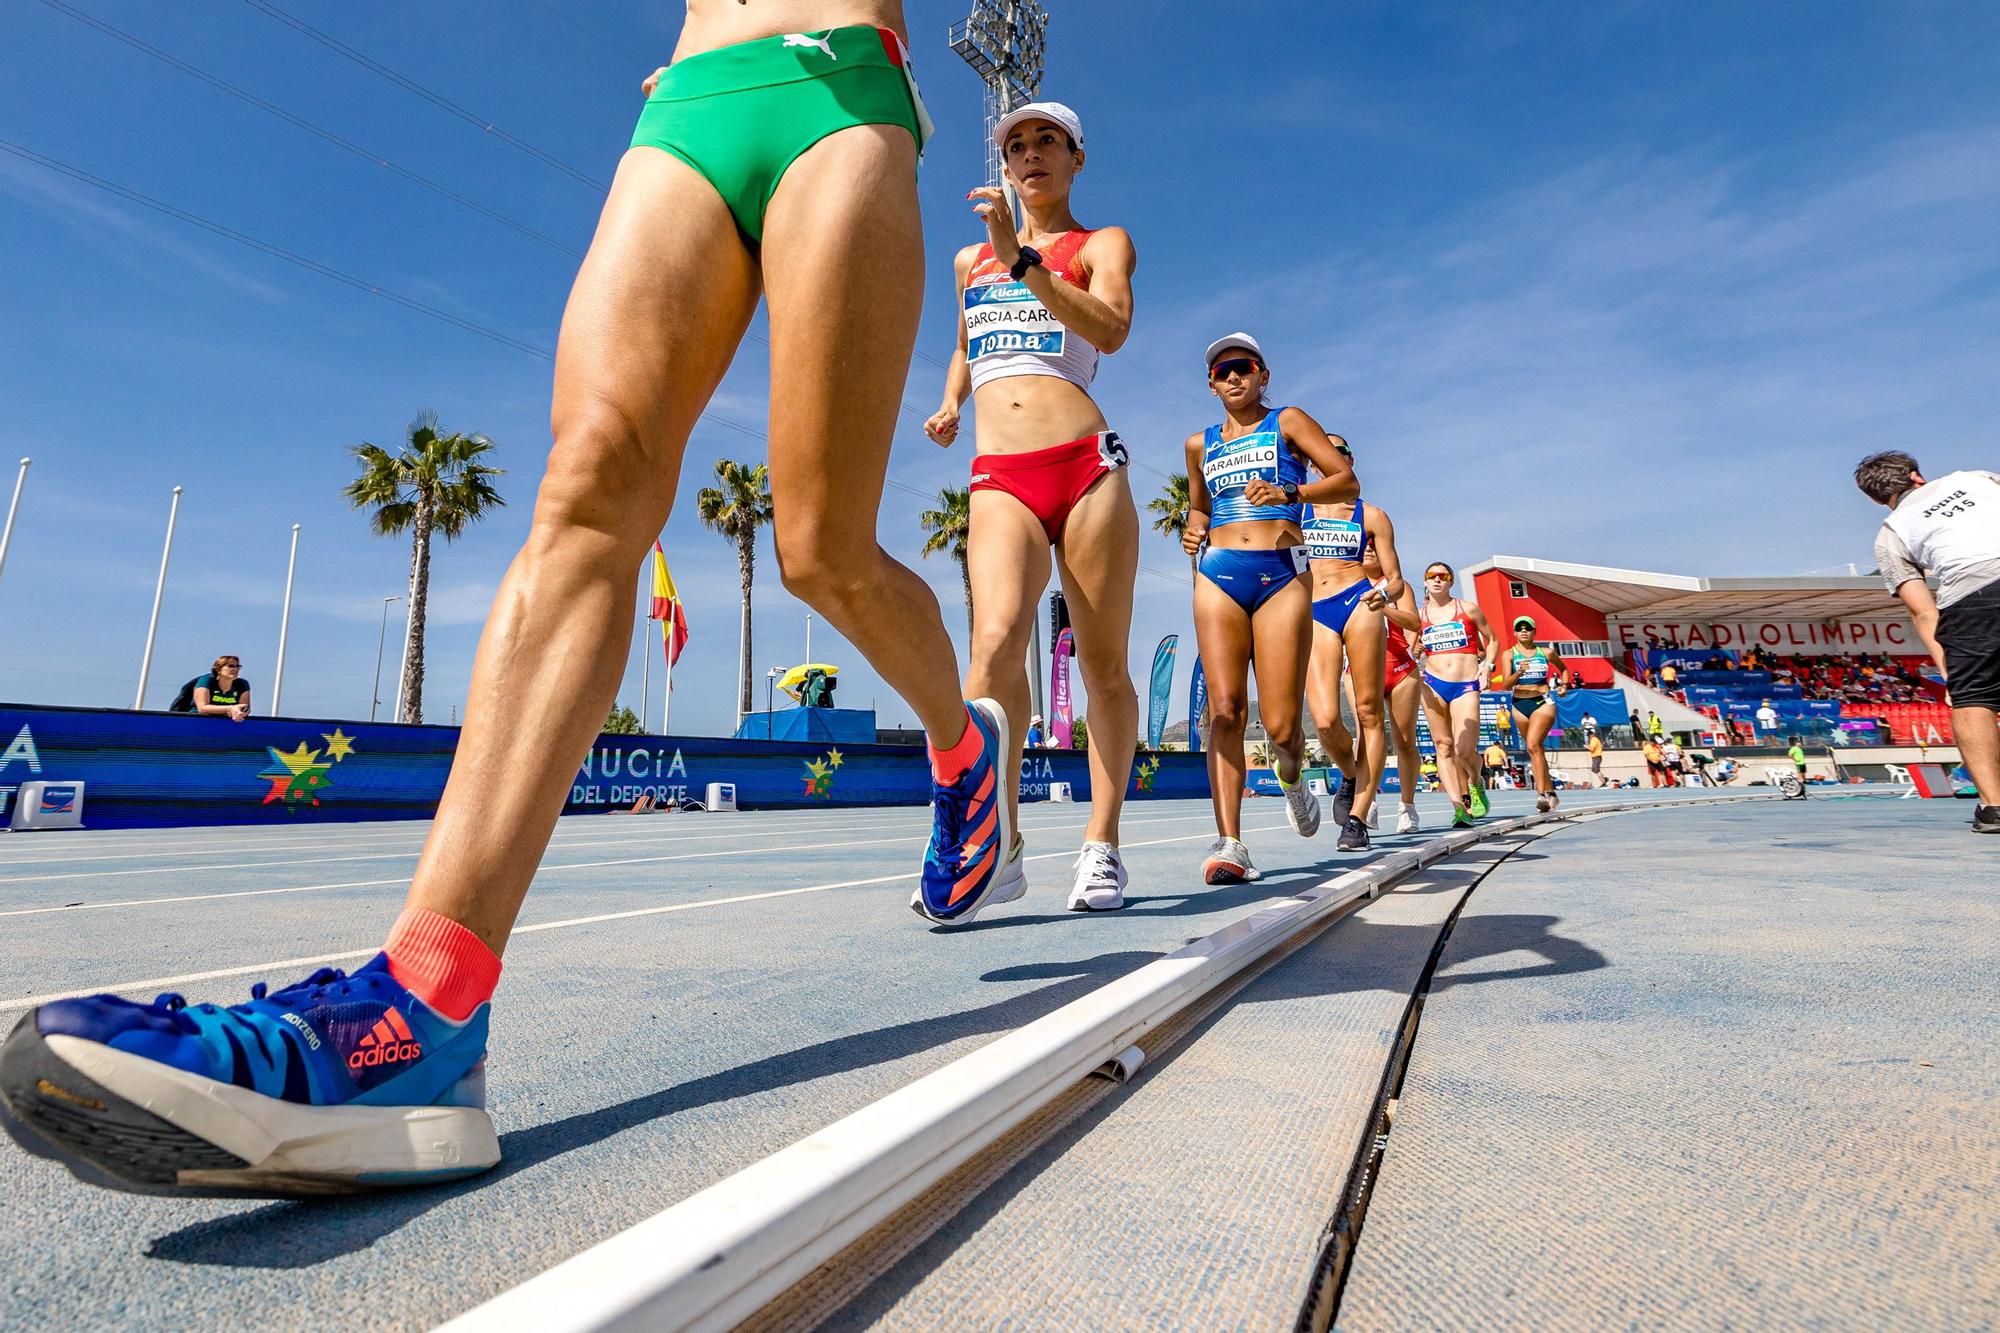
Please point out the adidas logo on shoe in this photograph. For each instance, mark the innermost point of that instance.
(390, 1043)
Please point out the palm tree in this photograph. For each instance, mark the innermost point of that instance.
(437, 484)
(1172, 508)
(736, 509)
(950, 527)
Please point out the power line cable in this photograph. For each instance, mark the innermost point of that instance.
(477, 121)
(607, 44)
(301, 122)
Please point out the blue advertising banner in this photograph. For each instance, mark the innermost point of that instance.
(149, 770)
(1163, 686)
(1197, 706)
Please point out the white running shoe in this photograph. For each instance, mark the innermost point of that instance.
(1228, 863)
(1301, 808)
(1375, 815)
(1406, 820)
(1100, 879)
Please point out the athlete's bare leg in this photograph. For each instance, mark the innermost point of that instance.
(1403, 732)
(1451, 772)
(1008, 560)
(1222, 630)
(1366, 665)
(1283, 633)
(1535, 730)
(657, 310)
(1098, 557)
(1467, 735)
(843, 272)
(1323, 698)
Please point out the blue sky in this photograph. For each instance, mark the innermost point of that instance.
(1631, 284)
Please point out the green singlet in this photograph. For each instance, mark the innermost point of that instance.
(740, 115)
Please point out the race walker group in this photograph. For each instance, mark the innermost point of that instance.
(781, 165)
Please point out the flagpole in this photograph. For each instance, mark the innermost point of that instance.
(645, 669)
(14, 507)
(285, 625)
(667, 704)
(159, 591)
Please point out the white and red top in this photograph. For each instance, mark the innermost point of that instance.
(1008, 331)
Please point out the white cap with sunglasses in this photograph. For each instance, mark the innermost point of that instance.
(1236, 342)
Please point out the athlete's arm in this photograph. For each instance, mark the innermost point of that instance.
(1101, 310)
(1916, 595)
(1337, 482)
(1404, 612)
(943, 424)
(1199, 503)
(1383, 533)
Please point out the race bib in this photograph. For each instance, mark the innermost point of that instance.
(1534, 671)
(1445, 638)
(1004, 317)
(1111, 451)
(1236, 463)
(1334, 539)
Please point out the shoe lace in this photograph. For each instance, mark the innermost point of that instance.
(1098, 862)
(325, 979)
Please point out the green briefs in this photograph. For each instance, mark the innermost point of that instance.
(740, 115)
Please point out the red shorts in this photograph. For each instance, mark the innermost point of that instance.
(1050, 481)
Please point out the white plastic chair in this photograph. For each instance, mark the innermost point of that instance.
(1899, 776)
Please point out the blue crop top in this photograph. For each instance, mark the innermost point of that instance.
(1230, 465)
(1338, 538)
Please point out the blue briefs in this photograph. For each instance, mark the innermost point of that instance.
(1447, 690)
(1251, 577)
(1335, 611)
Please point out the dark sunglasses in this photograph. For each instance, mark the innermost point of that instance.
(1235, 365)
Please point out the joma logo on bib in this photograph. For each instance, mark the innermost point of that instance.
(1007, 317)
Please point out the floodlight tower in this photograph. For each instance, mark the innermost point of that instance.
(1004, 42)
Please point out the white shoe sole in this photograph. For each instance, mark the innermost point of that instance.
(289, 1147)
(1306, 824)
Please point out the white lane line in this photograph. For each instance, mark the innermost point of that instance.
(625, 833)
(6, 880)
(576, 865)
(321, 960)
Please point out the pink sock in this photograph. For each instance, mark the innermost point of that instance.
(445, 965)
(949, 765)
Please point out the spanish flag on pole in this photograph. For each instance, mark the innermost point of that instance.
(667, 607)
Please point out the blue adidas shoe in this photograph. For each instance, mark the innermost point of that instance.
(339, 1083)
(972, 838)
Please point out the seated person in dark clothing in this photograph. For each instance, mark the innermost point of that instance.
(223, 692)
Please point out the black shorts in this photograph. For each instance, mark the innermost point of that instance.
(1969, 632)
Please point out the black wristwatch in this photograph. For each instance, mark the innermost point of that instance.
(1291, 492)
(1030, 258)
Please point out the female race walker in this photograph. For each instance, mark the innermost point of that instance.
(1246, 495)
(1348, 623)
(1401, 690)
(1458, 647)
(1529, 671)
(1039, 306)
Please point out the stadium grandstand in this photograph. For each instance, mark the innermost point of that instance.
(1831, 659)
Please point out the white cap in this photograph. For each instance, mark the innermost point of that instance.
(1054, 112)
(1242, 340)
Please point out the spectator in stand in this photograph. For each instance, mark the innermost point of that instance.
(1767, 717)
(1669, 677)
(1597, 758)
(1949, 529)
(222, 691)
(1655, 762)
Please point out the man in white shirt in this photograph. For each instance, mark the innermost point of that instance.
(1949, 529)
(1767, 717)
